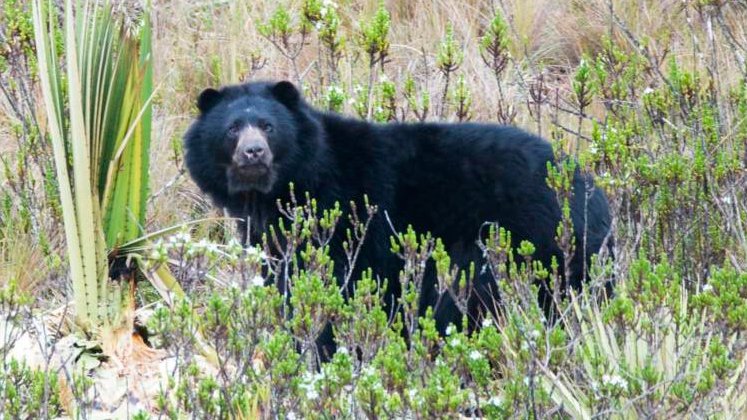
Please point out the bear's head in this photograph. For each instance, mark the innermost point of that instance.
(250, 137)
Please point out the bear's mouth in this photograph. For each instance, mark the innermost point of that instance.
(250, 177)
(253, 170)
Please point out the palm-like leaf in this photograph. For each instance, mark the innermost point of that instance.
(99, 121)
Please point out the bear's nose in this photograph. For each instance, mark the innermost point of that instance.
(254, 152)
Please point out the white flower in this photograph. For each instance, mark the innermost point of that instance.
(334, 89)
(495, 400)
(233, 250)
(258, 281)
(368, 371)
(327, 5)
(254, 253)
(210, 248)
(311, 393)
(455, 342)
(450, 330)
(534, 335)
(487, 322)
(308, 384)
(343, 350)
(180, 238)
(160, 251)
(707, 288)
(615, 381)
(475, 355)
(648, 91)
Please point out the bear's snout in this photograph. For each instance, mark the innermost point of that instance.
(253, 153)
(252, 149)
(251, 163)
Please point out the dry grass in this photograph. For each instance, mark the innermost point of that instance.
(208, 43)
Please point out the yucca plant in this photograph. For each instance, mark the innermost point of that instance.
(656, 350)
(96, 76)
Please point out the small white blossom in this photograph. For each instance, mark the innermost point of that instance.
(487, 322)
(258, 281)
(180, 239)
(534, 335)
(455, 342)
(327, 6)
(475, 355)
(205, 247)
(614, 380)
(311, 393)
(308, 384)
(233, 249)
(334, 90)
(707, 288)
(450, 330)
(648, 91)
(160, 251)
(255, 254)
(495, 400)
(343, 350)
(368, 371)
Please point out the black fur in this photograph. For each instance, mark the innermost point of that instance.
(447, 179)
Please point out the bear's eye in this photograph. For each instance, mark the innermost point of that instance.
(233, 130)
(266, 127)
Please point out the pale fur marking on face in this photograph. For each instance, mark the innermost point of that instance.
(252, 129)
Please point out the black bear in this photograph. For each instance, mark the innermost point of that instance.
(250, 141)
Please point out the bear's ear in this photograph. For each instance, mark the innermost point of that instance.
(208, 99)
(286, 93)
